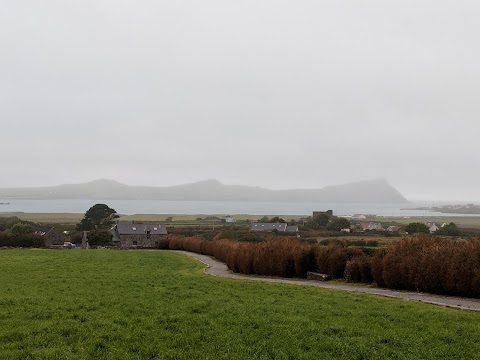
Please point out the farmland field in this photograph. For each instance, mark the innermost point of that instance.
(73, 218)
(58, 304)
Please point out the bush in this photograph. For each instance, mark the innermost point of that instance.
(417, 228)
(16, 240)
(163, 244)
(175, 243)
(245, 257)
(372, 243)
(99, 238)
(430, 264)
(449, 230)
(21, 228)
(304, 260)
(377, 266)
(358, 269)
(8, 222)
(424, 263)
(331, 260)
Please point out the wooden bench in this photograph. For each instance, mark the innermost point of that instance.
(317, 276)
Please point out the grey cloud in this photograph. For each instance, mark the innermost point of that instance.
(337, 91)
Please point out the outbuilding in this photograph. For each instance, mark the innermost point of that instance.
(133, 235)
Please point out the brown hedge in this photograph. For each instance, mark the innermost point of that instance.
(278, 256)
(423, 263)
(430, 264)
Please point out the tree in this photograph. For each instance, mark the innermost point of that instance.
(212, 218)
(276, 219)
(319, 221)
(21, 229)
(99, 238)
(416, 228)
(8, 222)
(99, 216)
(449, 230)
(338, 224)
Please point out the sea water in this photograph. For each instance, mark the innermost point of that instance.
(130, 207)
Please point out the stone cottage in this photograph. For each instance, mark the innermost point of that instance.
(132, 235)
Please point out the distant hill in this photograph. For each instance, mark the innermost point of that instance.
(372, 191)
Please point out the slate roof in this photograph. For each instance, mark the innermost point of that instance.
(292, 228)
(394, 228)
(268, 226)
(43, 230)
(131, 228)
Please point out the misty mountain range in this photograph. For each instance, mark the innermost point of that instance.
(371, 191)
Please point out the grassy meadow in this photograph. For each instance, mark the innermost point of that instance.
(106, 304)
(73, 218)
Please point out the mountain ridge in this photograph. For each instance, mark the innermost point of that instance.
(367, 191)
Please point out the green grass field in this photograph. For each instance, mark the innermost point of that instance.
(467, 221)
(73, 218)
(72, 304)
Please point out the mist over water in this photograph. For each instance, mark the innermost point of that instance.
(130, 207)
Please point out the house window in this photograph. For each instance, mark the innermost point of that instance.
(148, 234)
(134, 243)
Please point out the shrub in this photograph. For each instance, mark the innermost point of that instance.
(16, 240)
(21, 228)
(358, 269)
(372, 243)
(331, 260)
(450, 230)
(303, 258)
(176, 243)
(416, 228)
(163, 244)
(377, 266)
(8, 222)
(99, 238)
(245, 257)
(430, 264)
(207, 247)
(424, 263)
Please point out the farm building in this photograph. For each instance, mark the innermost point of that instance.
(317, 213)
(131, 235)
(52, 237)
(394, 228)
(371, 226)
(291, 228)
(433, 227)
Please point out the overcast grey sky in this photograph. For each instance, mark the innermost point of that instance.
(279, 94)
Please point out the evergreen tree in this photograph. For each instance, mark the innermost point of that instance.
(99, 216)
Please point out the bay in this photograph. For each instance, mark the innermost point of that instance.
(131, 207)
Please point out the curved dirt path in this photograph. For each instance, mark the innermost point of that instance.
(217, 268)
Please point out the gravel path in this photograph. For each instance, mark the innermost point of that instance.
(218, 268)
